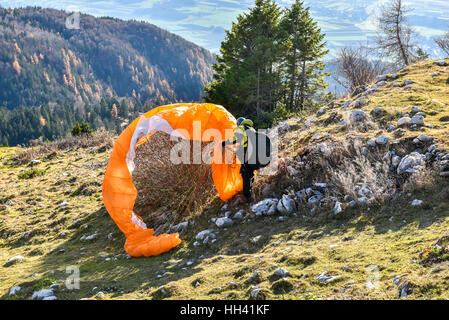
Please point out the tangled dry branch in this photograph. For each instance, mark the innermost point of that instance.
(167, 192)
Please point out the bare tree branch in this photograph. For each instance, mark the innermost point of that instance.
(356, 69)
(395, 34)
(443, 43)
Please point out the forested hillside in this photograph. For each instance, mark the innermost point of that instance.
(24, 125)
(52, 76)
(43, 61)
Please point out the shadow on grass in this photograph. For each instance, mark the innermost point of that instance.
(121, 274)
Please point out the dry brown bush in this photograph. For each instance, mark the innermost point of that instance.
(340, 164)
(100, 138)
(420, 179)
(362, 126)
(359, 171)
(443, 43)
(169, 193)
(356, 69)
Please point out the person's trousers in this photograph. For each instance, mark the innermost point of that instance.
(247, 172)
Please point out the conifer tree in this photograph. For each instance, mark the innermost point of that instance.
(305, 47)
(246, 79)
(268, 59)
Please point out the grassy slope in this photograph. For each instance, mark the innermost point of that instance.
(389, 237)
(430, 93)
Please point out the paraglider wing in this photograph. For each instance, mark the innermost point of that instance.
(119, 192)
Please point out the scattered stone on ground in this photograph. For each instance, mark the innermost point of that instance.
(417, 203)
(224, 222)
(405, 289)
(14, 260)
(63, 204)
(14, 290)
(441, 63)
(410, 163)
(265, 207)
(357, 116)
(323, 277)
(258, 294)
(43, 293)
(281, 272)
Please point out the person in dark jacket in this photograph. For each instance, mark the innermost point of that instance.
(247, 169)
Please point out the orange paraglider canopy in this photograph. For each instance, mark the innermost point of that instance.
(119, 192)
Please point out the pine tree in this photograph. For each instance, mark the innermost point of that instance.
(420, 55)
(124, 109)
(305, 47)
(270, 60)
(246, 79)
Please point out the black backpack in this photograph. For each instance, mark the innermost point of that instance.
(260, 155)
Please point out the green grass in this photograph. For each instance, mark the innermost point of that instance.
(44, 283)
(390, 238)
(32, 173)
(305, 247)
(431, 94)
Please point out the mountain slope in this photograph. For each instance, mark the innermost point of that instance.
(43, 61)
(364, 239)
